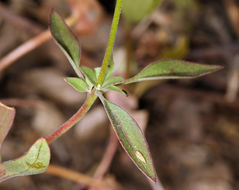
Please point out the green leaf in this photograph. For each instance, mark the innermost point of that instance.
(66, 40)
(7, 115)
(173, 69)
(35, 161)
(97, 72)
(112, 81)
(89, 75)
(131, 138)
(116, 89)
(78, 84)
(93, 74)
(134, 11)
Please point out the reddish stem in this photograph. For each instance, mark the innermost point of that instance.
(30, 45)
(24, 49)
(108, 156)
(74, 176)
(74, 119)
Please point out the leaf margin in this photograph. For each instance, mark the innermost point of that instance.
(153, 178)
(134, 78)
(75, 66)
(3, 167)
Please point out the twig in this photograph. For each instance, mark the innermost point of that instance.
(28, 46)
(74, 176)
(108, 156)
(23, 49)
(91, 97)
(232, 86)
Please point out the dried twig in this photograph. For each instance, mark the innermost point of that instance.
(29, 46)
(233, 13)
(23, 49)
(74, 176)
(108, 156)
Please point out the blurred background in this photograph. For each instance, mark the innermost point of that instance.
(192, 126)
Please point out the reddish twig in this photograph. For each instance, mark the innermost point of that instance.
(74, 119)
(74, 176)
(24, 49)
(108, 156)
(28, 46)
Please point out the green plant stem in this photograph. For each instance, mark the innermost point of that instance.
(111, 41)
(74, 119)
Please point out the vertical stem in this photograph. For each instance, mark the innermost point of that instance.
(108, 155)
(111, 41)
(74, 119)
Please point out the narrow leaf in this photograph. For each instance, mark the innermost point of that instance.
(112, 81)
(89, 74)
(131, 138)
(78, 84)
(35, 161)
(66, 40)
(7, 115)
(97, 71)
(116, 89)
(173, 69)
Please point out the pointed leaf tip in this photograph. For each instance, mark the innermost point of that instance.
(131, 138)
(35, 161)
(65, 39)
(173, 69)
(77, 83)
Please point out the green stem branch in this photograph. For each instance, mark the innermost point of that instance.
(111, 41)
(74, 119)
